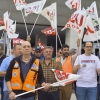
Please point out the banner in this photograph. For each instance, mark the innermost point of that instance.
(50, 13)
(64, 77)
(41, 44)
(20, 4)
(17, 40)
(73, 4)
(93, 9)
(10, 26)
(35, 7)
(91, 34)
(2, 24)
(76, 22)
(49, 31)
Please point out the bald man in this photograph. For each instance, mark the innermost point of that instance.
(23, 73)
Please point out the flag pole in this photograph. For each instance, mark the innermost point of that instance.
(34, 25)
(10, 49)
(24, 22)
(59, 39)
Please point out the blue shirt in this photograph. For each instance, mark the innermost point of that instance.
(4, 67)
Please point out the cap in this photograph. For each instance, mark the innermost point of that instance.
(38, 48)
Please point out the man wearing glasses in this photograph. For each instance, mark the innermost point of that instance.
(87, 65)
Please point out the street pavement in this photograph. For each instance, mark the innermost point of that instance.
(73, 97)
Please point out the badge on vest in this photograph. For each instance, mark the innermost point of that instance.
(14, 74)
(35, 66)
(84, 65)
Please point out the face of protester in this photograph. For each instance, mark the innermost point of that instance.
(65, 52)
(17, 51)
(38, 53)
(26, 48)
(88, 48)
(59, 53)
(33, 50)
(48, 53)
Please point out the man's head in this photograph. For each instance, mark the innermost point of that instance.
(17, 50)
(38, 51)
(48, 51)
(33, 50)
(59, 52)
(72, 52)
(1, 49)
(65, 50)
(26, 48)
(88, 46)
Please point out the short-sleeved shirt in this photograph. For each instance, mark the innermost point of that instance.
(88, 70)
(3, 68)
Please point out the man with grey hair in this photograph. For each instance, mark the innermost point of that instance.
(72, 52)
(47, 64)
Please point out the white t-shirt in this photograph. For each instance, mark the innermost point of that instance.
(88, 70)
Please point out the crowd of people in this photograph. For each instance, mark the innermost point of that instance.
(30, 67)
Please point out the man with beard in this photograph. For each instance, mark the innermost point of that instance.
(67, 66)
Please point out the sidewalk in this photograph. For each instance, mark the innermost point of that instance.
(73, 97)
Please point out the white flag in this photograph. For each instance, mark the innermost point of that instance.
(91, 34)
(50, 13)
(73, 4)
(35, 7)
(93, 9)
(64, 78)
(77, 22)
(10, 26)
(20, 4)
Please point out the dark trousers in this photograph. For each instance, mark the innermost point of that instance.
(98, 92)
(42, 95)
(1, 86)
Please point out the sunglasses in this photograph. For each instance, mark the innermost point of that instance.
(38, 51)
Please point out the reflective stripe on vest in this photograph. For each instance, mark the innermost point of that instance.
(31, 78)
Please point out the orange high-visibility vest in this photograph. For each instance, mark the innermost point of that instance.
(31, 78)
(67, 66)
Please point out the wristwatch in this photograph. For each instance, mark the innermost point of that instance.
(10, 91)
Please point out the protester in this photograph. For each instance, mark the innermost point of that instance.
(38, 53)
(23, 73)
(2, 56)
(67, 66)
(33, 50)
(4, 66)
(87, 65)
(47, 64)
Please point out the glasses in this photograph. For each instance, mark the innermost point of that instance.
(88, 46)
